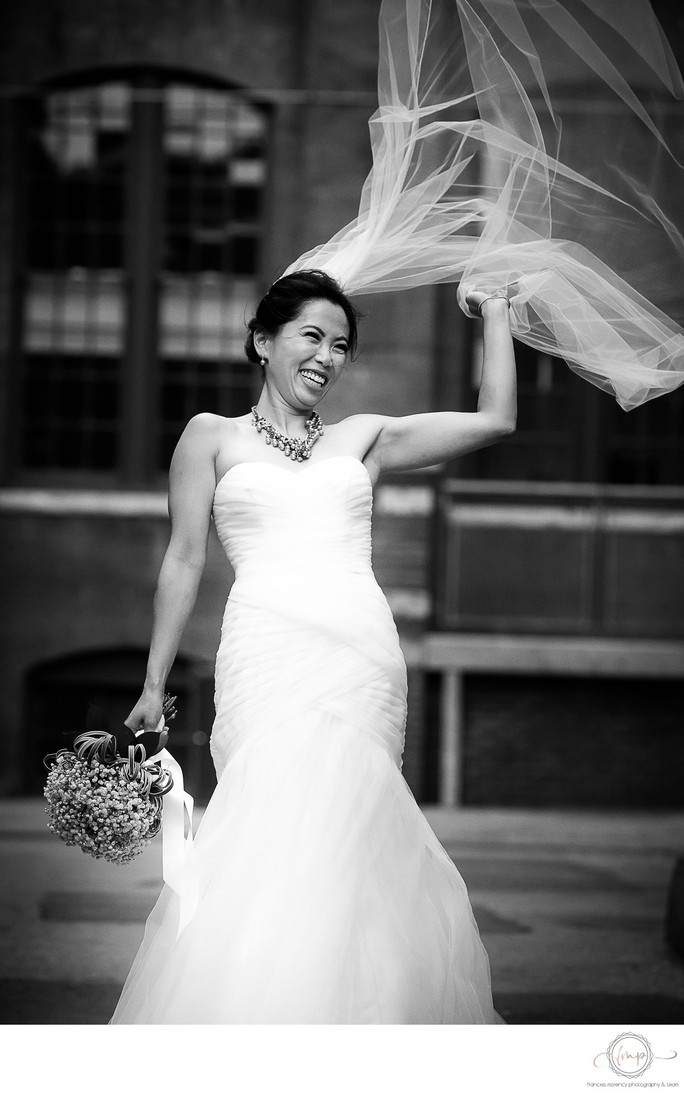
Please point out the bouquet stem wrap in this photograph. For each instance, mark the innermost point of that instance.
(530, 145)
(177, 845)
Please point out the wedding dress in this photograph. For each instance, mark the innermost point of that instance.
(324, 895)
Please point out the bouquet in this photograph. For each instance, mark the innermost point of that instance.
(105, 792)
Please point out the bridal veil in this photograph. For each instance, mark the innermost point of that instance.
(531, 144)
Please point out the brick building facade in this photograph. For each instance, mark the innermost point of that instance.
(159, 167)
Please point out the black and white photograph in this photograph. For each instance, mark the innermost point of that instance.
(342, 540)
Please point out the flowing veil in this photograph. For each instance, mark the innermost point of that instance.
(526, 144)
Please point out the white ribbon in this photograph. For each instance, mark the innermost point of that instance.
(178, 852)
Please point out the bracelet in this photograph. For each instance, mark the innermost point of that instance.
(494, 297)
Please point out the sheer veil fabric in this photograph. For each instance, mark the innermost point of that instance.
(485, 170)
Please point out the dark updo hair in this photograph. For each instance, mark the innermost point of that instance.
(286, 298)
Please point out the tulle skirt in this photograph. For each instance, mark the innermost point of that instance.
(324, 895)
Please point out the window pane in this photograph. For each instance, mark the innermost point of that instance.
(570, 431)
(70, 410)
(189, 387)
(77, 310)
(646, 446)
(84, 149)
(204, 316)
(77, 148)
(74, 308)
(214, 155)
(215, 173)
(544, 446)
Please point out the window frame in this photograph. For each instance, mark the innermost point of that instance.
(592, 413)
(139, 368)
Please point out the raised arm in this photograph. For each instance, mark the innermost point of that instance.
(421, 440)
(191, 491)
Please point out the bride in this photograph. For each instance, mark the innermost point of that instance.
(323, 895)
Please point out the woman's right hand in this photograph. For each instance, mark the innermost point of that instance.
(147, 713)
(475, 297)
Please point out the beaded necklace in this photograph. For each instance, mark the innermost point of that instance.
(292, 447)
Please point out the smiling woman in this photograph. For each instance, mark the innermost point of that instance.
(323, 896)
(311, 350)
(285, 299)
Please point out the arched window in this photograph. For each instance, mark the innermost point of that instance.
(142, 211)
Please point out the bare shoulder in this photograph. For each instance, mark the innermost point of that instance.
(205, 427)
(196, 450)
(208, 433)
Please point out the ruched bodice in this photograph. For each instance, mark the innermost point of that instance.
(305, 618)
(298, 522)
(324, 896)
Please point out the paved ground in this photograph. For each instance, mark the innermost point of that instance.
(571, 907)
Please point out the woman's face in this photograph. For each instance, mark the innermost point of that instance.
(307, 355)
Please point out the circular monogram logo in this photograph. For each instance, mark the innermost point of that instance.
(629, 1055)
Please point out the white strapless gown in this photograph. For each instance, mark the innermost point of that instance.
(325, 897)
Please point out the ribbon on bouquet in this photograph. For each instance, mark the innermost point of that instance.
(178, 851)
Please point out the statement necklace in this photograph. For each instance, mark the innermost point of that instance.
(293, 447)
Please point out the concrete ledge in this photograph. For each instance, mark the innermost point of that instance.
(568, 829)
(83, 503)
(590, 656)
(455, 655)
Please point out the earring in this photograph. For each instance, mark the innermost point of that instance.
(264, 362)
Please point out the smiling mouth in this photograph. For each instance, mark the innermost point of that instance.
(314, 377)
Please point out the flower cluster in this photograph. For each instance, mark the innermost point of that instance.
(104, 794)
(97, 807)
